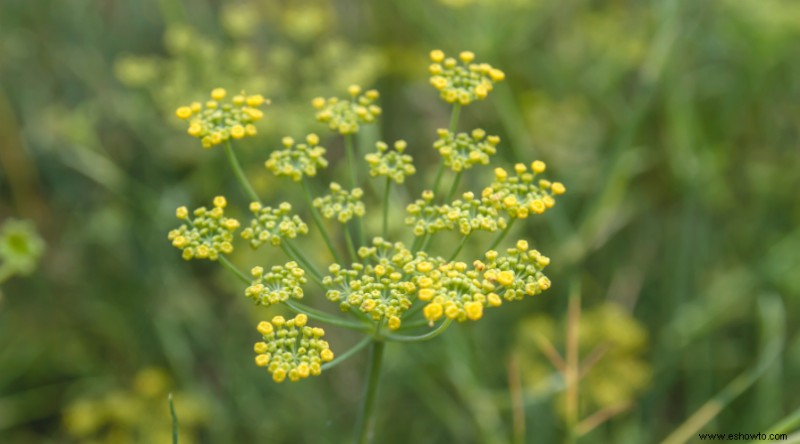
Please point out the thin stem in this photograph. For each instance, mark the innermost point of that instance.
(318, 220)
(174, 420)
(343, 357)
(418, 243)
(454, 114)
(349, 148)
(234, 269)
(438, 178)
(351, 159)
(298, 257)
(425, 337)
(385, 226)
(324, 317)
(503, 234)
(364, 424)
(237, 170)
(454, 186)
(460, 247)
(349, 239)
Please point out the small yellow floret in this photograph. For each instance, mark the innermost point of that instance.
(326, 355)
(466, 56)
(394, 323)
(426, 294)
(237, 131)
(354, 90)
(182, 212)
(279, 375)
(278, 321)
(505, 277)
(300, 320)
(264, 328)
(500, 174)
(437, 55)
(220, 202)
(558, 188)
(218, 93)
(538, 166)
(256, 100)
(183, 112)
(474, 310)
(432, 311)
(262, 360)
(318, 103)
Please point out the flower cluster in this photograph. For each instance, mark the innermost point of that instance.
(521, 194)
(20, 247)
(456, 291)
(394, 164)
(340, 203)
(345, 116)
(215, 122)
(464, 82)
(206, 235)
(291, 348)
(278, 285)
(297, 161)
(273, 224)
(462, 151)
(382, 285)
(427, 218)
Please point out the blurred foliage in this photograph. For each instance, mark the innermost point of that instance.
(674, 124)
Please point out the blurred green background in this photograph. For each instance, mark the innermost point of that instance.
(673, 124)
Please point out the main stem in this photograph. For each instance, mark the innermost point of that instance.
(364, 424)
(237, 170)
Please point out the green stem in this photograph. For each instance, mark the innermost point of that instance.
(454, 114)
(343, 357)
(503, 234)
(460, 247)
(438, 178)
(350, 248)
(364, 423)
(385, 227)
(237, 170)
(418, 243)
(454, 187)
(425, 337)
(349, 148)
(318, 221)
(174, 420)
(234, 269)
(294, 255)
(324, 317)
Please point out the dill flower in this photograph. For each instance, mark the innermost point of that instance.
(462, 151)
(521, 194)
(297, 160)
(273, 224)
(473, 214)
(215, 121)
(381, 285)
(346, 115)
(20, 246)
(277, 285)
(340, 203)
(292, 349)
(462, 81)
(428, 218)
(394, 164)
(205, 235)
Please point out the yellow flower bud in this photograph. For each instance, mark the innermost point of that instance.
(262, 360)
(538, 166)
(264, 328)
(432, 311)
(558, 188)
(220, 202)
(505, 277)
(182, 213)
(256, 100)
(474, 310)
(437, 55)
(237, 131)
(260, 347)
(394, 323)
(326, 355)
(466, 56)
(218, 93)
(183, 112)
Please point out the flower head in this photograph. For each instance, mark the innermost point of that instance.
(207, 232)
(297, 160)
(340, 203)
(345, 115)
(215, 121)
(521, 194)
(462, 81)
(273, 224)
(394, 164)
(277, 285)
(292, 349)
(462, 151)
